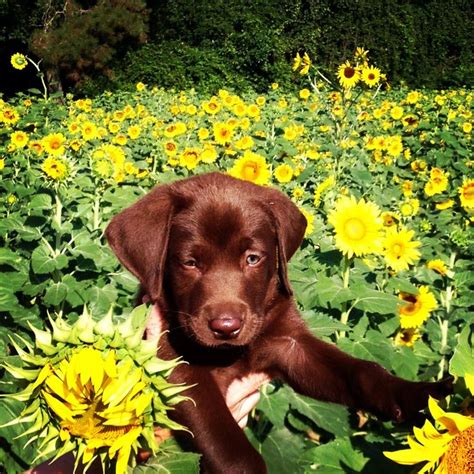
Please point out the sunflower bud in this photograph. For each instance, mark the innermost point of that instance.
(97, 392)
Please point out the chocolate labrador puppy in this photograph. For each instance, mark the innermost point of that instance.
(211, 251)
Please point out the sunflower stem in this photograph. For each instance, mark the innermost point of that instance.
(346, 272)
(443, 324)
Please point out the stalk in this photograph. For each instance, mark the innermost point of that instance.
(443, 324)
(346, 271)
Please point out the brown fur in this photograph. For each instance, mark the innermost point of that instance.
(211, 251)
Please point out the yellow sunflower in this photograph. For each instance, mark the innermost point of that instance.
(416, 308)
(371, 75)
(400, 251)
(54, 143)
(445, 447)
(438, 266)
(96, 389)
(407, 337)
(19, 61)
(466, 194)
(189, 158)
(19, 139)
(251, 167)
(211, 107)
(283, 173)
(222, 133)
(55, 168)
(437, 183)
(348, 75)
(357, 226)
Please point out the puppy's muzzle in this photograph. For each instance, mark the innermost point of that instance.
(226, 320)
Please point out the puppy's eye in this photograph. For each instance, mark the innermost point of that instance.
(190, 263)
(253, 259)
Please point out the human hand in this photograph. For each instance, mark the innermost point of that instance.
(243, 395)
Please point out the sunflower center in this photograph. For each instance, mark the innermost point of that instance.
(250, 171)
(371, 76)
(349, 72)
(469, 193)
(91, 426)
(397, 250)
(412, 306)
(460, 455)
(354, 229)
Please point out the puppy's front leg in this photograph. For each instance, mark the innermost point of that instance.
(322, 371)
(215, 433)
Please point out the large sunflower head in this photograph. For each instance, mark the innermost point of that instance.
(95, 389)
(416, 308)
(357, 225)
(400, 251)
(446, 447)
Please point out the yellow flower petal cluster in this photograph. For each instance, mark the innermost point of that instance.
(357, 225)
(96, 389)
(19, 61)
(416, 308)
(371, 75)
(99, 400)
(466, 194)
(400, 251)
(348, 75)
(55, 168)
(283, 173)
(438, 266)
(302, 63)
(437, 183)
(445, 447)
(251, 167)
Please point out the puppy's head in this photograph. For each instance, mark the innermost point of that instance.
(213, 251)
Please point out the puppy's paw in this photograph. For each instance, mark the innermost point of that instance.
(413, 397)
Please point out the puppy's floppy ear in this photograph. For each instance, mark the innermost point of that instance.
(290, 225)
(139, 237)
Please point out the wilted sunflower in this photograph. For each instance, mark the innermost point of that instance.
(251, 167)
(446, 447)
(357, 225)
(416, 308)
(96, 389)
(400, 251)
(19, 61)
(348, 75)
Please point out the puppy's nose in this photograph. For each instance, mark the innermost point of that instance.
(226, 327)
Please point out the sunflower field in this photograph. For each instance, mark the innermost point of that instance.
(385, 179)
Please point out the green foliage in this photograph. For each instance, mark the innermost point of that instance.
(100, 32)
(54, 258)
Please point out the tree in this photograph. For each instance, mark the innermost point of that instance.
(80, 38)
